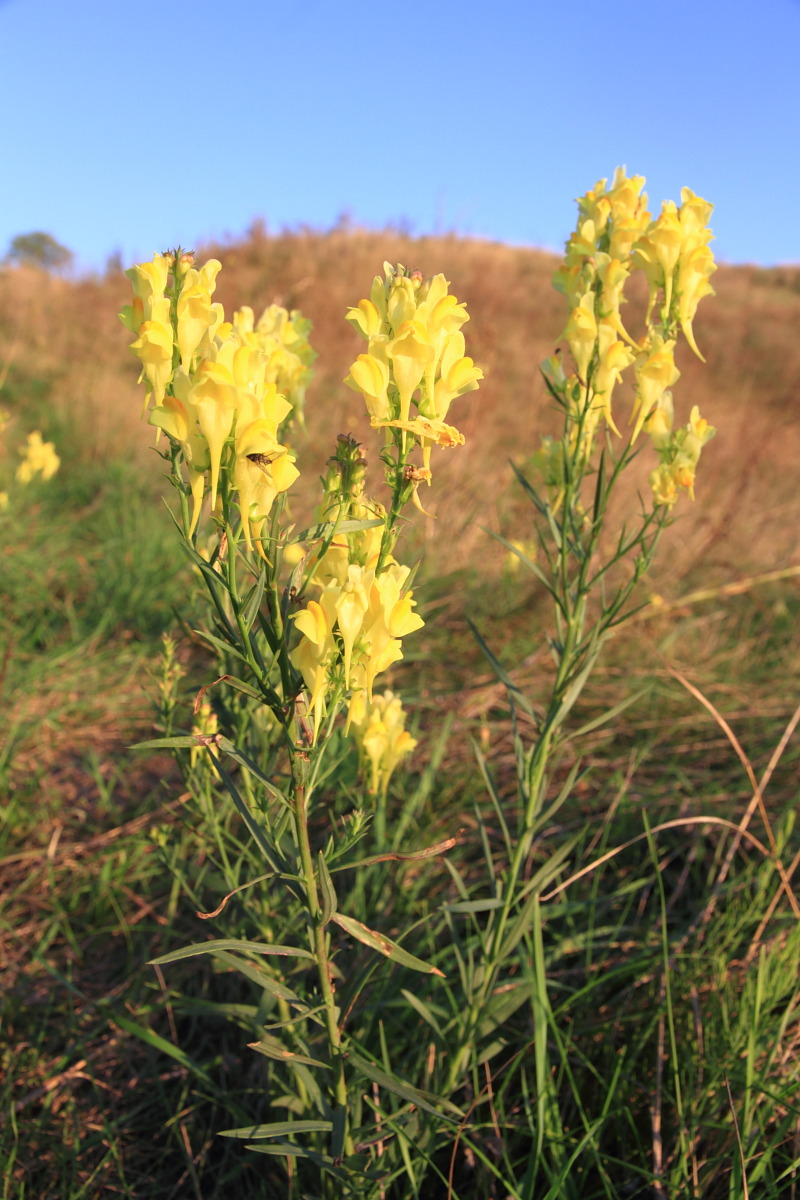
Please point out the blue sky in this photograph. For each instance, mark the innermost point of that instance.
(130, 127)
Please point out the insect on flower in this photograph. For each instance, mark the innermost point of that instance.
(265, 460)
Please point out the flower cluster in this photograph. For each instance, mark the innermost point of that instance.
(378, 727)
(352, 632)
(415, 355)
(38, 458)
(679, 450)
(223, 391)
(615, 236)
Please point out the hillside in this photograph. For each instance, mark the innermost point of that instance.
(67, 335)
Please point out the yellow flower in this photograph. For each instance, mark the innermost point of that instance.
(262, 468)
(352, 605)
(177, 418)
(659, 423)
(655, 372)
(195, 311)
(409, 352)
(665, 489)
(378, 727)
(459, 375)
(430, 433)
(366, 319)
(39, 458)
(614, 358)
(665, 237)
(694, 269)
(581, 333)
(316, 651)
(154, 347)
(370, 375)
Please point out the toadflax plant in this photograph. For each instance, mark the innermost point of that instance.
(304, 624)
(590, 573)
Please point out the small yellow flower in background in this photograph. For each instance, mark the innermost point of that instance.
(4, 502)
(513, 561)
(378, 727)
(39, 458)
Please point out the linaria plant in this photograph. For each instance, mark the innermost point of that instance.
(304, 622)
(590, 574)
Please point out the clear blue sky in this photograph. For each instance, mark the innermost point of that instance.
(132, 126)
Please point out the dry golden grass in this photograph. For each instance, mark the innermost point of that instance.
(748, 505)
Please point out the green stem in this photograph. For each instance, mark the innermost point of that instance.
(575, 543)
(318, 938)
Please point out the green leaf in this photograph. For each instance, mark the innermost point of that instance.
(219, 644)
(183, 742)
(271, 1048)
(327, 889)
(159, 1043)
(323, 1161)
(211, 947)
(270, 852)
(384, 945)
(327, 529)
(473, 906)
(260, 977)
(523, 558)
(501, 672)
(244, 760)
(277, 1129)
(437, 1105)
(253, 601)
(240, 686)
(424, 1010)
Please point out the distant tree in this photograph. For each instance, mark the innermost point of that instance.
(38, 250)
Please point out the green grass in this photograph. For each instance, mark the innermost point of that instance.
(671, 1040)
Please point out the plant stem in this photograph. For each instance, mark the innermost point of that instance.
(318, 938)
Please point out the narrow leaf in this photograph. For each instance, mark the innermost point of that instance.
(272, 1048)
(473, 906)
(327, 889)
(398, 1087)
(183, 742)
(524, 558)
(220, 644)
(500, 670)
(277, 1129)
(384, 945)
(260, 977)
(328, 529)
(253, 602)
(159, 1043)
(198, 948)
(244, 760)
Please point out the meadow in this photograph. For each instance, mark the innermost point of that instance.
(671, 1023)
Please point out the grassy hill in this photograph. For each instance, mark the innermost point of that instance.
(94, 1105)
